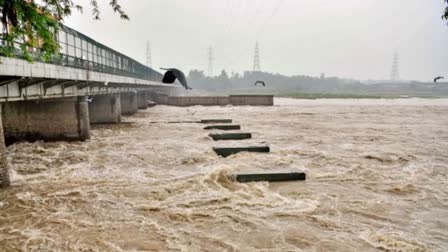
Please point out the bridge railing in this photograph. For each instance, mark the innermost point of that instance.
(80, 51)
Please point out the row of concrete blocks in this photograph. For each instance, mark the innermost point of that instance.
(66, 118)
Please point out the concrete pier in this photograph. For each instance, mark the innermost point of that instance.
(142, 100)
(50, 119)
(4, 173)
(129, 104)
(105, 109)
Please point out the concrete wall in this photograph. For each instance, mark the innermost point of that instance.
(129, 105)
(105, 109)
(50, 119)
(4, 173)
(235, 100)
(197, 100)
(252, 100)
(159, 98)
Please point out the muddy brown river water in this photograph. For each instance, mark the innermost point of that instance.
(377, 179)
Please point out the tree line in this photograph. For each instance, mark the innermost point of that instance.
(246, 80)
(303, 84)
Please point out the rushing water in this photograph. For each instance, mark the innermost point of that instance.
(377, 180)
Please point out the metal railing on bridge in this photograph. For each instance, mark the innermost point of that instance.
(80, 51)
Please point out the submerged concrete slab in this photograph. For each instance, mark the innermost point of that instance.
(105, 109)
(225, 152)
(270, 177)
(205, 121)
(223, 127)
(49, 119)
(231, 136)
(4, 171)
(129, 105)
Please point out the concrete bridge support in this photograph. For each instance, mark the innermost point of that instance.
(4, 173)
(52, 119)
(105, 109)
(142, 100)
(151, 95)
(129, 105)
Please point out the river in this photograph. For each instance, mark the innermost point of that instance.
(377, 179)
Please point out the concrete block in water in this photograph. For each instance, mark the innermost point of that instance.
(231, 136)
(270, 177)
(216, 121)
(205, 121)
(223, 127)
(225, 152)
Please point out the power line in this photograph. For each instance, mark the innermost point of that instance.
(256, 10)
(268, 19)
(261, 27)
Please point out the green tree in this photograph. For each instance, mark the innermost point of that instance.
(30, 27)
(445, 15)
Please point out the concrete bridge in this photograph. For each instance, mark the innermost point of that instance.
(58, 100)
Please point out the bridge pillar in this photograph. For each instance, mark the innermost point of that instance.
(142, 100)
(52, 119)
(129, 105)
(105, 109)
(4, 173)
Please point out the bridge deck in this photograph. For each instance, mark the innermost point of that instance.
(21, 80)
(82, 67)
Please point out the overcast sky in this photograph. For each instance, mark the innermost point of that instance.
(345, 38)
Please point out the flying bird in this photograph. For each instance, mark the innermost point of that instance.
(191, 112)
(172, 74)
(260, 82)
(438, 78)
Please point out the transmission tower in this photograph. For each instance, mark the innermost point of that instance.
(257, 67)
(394, 74)
(210, 59)
(148, 54)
